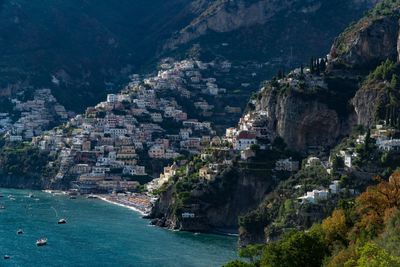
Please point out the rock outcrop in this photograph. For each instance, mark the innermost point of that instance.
(227, 15)
(305, 120)
(366, 103)
(301, 122)
(216, 206)
(368, 43)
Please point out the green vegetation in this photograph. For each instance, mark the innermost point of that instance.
(383, 72)
(360, 233)
(385, 8)
(385, 78)
(25, 162)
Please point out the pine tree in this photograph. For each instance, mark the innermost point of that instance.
(312, 65)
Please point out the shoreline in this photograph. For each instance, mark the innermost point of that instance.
(131, 207)
(122, 201)
(143, 210)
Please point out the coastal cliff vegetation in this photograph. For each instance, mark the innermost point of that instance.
(363, 232)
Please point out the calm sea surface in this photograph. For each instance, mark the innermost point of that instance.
(97, 234)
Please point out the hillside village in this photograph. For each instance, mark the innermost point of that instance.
(118, 142)
(110, 140)
(114, 144)
(35, 116)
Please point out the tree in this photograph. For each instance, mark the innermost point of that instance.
(377, 204)
(296, 249)
(394, 83)
(371, 255)
(335, 227)
(252, 252)
(390, 238)
(238, 263)
(312, 69)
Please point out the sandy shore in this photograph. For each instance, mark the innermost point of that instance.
(138, 203)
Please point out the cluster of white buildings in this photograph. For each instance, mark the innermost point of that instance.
(252, 126)
(36, 115)
(5, 122)
(179, 75)
(103, 147)
(383, 140)
(191, 79)
(316, 195)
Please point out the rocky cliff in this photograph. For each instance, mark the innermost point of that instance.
(366, 44)
(302, 122)
(226, 16)
(216, 205)
(316, 109)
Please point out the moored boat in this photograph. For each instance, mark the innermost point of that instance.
(41, 242)
(62, 221)
(73, 192)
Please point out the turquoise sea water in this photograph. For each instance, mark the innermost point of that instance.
(97, 234)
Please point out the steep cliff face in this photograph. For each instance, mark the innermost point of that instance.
(301, 122)
(368, 43)
(216, 206)
(360, 49)
(282, 33)
(367, 102)
(226, 16)
(305, 119)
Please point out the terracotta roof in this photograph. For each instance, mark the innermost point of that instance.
(246, 135)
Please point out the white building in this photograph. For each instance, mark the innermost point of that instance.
(389, 145)
(314, 196)
(313, 161)
(156, 151)
(244, 140)
(112, 98)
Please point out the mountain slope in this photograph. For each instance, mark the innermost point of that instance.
(84, 48)
(82, 43)
(266, 29)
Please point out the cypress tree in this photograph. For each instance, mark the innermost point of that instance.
(312, 65)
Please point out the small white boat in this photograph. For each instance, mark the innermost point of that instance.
(41, 242)
(20, 232)
(30, 195)
(2, 207)
(6, 257)
(91, 196)
(62, 221)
